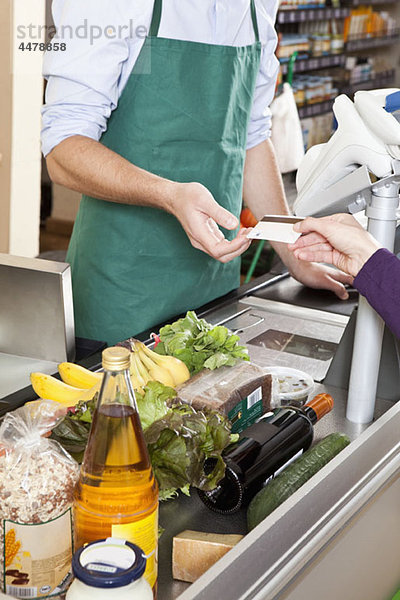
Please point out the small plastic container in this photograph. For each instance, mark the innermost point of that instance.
(110, 569)
(291, 386)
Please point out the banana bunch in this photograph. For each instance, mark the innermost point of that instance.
(147, 365)
(80, 384)
(77, 384)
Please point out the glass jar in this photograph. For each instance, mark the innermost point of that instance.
(107, 570)
(316, 45)
(326, 44)
(337, 44)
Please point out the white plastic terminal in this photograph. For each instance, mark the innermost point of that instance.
(356, 143)
(337, 177)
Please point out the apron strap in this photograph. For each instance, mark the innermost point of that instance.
(254, 19)
(156, 19)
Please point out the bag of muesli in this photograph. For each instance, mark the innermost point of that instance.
(37, 480)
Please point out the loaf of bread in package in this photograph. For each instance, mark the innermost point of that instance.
(243, 393)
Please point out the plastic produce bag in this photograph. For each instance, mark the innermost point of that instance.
(286, 133)
(37, 480)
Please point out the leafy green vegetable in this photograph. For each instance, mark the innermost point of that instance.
(181, 442)
(199, 344)
(154, 403)
(73, 431)
(179, 438)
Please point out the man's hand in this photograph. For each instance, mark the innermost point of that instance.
(199, 214)
(338, 240)
(321, 277)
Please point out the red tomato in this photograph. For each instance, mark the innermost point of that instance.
(247, 219)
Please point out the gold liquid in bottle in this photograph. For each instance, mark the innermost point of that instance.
(117, 494)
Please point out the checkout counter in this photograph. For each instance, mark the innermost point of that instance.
(337, 536)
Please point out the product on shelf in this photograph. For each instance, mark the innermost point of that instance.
(311, 89)
(317, 130)
(291, 4)
(291, 43)
(364, 22)
(313, 39)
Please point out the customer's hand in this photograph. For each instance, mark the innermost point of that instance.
(338, 240)
(199, 214)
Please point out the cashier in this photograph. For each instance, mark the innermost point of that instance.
(163, 133)
(340, 240)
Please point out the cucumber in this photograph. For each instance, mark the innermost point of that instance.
(293, 477)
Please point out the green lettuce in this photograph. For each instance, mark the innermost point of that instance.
(180, 443)
(179, 438)
(200, 345)
(154, 403)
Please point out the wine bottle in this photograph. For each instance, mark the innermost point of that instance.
(262, 450)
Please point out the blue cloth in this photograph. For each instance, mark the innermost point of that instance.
(104, 38)
(379, 282)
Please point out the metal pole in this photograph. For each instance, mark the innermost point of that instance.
(369, 328)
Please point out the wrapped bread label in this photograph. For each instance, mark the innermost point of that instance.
(243, 393)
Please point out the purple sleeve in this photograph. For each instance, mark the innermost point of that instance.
(379, 282)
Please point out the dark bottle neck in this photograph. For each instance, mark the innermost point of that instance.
(310, 414)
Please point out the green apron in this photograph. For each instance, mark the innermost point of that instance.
(183, 115)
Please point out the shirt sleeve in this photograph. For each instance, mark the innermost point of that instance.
(260, 120)
(83, 81)
(379, 282)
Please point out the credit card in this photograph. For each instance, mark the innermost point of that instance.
(276, 228)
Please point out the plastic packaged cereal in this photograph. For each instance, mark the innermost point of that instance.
(37, 479)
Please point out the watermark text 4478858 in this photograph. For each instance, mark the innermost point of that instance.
(42, 47)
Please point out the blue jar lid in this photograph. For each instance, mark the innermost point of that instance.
(109, 563)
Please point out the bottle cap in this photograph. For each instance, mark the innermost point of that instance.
(109, 563)
(116, 358)
(322, 404)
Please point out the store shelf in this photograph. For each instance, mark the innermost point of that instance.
(381, 80)
(355, 3)
(311, 14)
(314, 110)
(373, 42)
(312, 64)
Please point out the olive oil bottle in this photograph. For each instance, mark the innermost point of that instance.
(117, 494)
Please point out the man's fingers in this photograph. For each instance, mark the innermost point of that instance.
(214, 230)
(337, 287)
(228, 257)
(338, 275)
(222, 249)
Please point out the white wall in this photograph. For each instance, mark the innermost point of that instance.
(21, 99)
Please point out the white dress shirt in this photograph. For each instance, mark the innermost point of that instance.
(104, 37)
